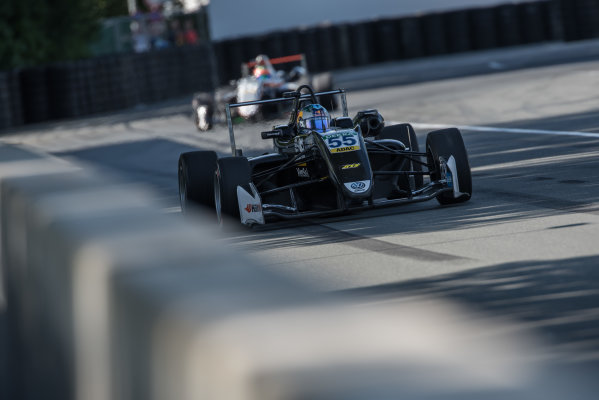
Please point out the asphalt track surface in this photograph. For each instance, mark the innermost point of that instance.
(526, 247)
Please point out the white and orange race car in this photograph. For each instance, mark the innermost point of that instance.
(259, 81)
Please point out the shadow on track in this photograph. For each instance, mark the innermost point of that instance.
(559, 299)
(150, 162)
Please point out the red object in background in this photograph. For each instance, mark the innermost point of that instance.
(190, 35)
(280, 60)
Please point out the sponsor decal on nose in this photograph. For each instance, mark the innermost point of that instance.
(345, 149)
(250, 208)
(350, 166)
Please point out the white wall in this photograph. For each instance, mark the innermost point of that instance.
(231, 18)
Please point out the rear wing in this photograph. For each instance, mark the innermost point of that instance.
(228, 108)
(296, 58)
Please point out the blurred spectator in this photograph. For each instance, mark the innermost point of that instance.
(191, 36)
(141, 40)
(158, 31)
(175, 34)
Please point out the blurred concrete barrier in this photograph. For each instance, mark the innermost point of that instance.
(110, 299)
(19, 162)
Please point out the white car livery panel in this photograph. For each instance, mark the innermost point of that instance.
(250, 206)
(453, 177)
(358, 187)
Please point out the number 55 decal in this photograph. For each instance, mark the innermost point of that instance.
(341, 143)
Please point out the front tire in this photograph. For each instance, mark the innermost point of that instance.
(230, 173)
(203, 117)
(203, 111)
(444, 144)
(196, 183)
(405, 133)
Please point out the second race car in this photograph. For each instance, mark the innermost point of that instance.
(259, 81)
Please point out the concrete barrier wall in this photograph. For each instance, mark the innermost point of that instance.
(110, 299)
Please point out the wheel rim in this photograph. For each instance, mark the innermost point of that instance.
(182, 189)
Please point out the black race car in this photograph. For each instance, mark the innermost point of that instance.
(322, 168)
(259, 81)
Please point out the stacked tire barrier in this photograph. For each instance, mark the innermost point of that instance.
(356, 44)
(111, 83)
(79, 88)
(580, 18)
(108, 298)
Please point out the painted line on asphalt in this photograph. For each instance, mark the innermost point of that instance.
(493, 129)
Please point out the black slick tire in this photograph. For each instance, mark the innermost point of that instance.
(196, 179)
(230, 173)
(445, 143)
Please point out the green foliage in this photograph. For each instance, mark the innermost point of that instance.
(35, 32)
(112, 8)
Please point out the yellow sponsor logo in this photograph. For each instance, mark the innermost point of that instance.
(350, 166)
(345, 149)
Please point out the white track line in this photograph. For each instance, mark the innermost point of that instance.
(506, 130)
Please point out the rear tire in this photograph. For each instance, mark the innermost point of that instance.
(230, 173)
(405, 134)
(196, 179)
(445, 143)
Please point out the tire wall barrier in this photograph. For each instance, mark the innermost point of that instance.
(110, 83)
(80, 88)
(107, 297)
(356, 44)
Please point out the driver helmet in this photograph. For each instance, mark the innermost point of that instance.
(262, 67)
(261, 72)
(314, 117)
